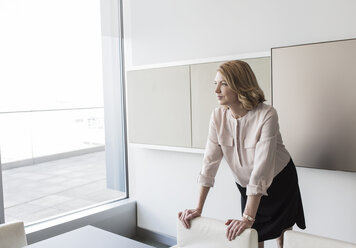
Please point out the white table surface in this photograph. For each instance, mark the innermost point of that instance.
(88, 237)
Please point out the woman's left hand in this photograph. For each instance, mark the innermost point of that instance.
(236, 227)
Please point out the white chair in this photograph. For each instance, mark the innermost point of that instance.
(210, 233)
(293, 239)
(12, 235)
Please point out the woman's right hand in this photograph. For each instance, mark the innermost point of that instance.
(187, 215)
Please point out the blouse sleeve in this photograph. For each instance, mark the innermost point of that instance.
(212, 157)
(265, 156)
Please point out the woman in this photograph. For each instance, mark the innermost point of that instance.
(245, 132)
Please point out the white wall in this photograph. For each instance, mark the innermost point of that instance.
(164, 182)
(184, 31)
(160, 31)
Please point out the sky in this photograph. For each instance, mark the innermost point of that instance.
(50, 55)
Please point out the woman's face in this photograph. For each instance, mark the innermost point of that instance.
(225, 95)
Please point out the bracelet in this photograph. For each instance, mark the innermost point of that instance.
(249, 218)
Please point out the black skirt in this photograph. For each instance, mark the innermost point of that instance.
(281, 209)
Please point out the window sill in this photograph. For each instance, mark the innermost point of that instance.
(75, 216)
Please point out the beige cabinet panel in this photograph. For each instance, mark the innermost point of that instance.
(203, 100)
(203, 93)
(262, 69)
(159, 106)
(314, 89)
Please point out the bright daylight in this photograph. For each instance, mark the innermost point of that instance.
(52, 134)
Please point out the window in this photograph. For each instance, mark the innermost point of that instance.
(62, 132)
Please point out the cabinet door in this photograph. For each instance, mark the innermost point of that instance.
(203, 100)
(159, 106)
(203, 93)
(314, 89)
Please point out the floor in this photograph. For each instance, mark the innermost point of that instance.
(39, 191)
(150, 242)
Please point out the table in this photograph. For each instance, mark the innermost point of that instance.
(88, 237)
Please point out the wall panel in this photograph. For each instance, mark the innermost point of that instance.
(203, 93)
(314, 89)
(159, 106)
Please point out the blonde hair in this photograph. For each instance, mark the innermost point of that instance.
(241, 79)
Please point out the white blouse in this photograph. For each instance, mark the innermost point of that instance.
(251, 145)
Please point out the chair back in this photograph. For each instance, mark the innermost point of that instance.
(12, 235)
(210, 233)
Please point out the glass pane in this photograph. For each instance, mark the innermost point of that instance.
(48, 61)
(56, 154)
(15, 137)
(67, 130)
